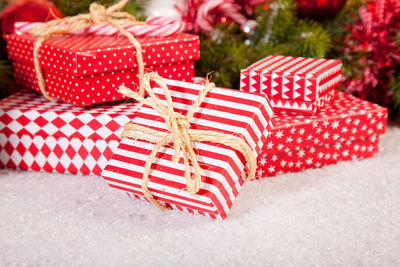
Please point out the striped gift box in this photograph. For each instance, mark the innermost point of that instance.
(224, 110)
(293, 83)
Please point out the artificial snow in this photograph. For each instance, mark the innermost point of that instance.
(344, 214)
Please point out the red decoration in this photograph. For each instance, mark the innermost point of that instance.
(201, 15)
(347, 128)
(319, 9)
(31, 11)
(372, 41)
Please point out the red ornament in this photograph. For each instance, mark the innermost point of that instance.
(31, 11)
(372, 42)
(319, 9)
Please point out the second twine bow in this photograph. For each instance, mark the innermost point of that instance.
(180, 135)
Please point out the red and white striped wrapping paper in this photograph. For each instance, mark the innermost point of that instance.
(293, 83)
(87, 69)
(224, 110)
(41, 135)
(345, 129)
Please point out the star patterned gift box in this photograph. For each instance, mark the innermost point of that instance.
(41, 135)
(293, 83)
(348, 128)
(222, 168)
(88, 69)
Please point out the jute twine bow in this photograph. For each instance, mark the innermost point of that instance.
(98, 15)
(180, 135)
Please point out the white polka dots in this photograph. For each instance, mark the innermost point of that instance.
(85, 70)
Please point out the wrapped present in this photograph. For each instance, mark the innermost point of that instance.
(293, 83)
(229, 112)
(87, 69)
(348, 128)
(41, 135)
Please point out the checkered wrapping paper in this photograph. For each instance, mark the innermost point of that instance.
(293, 83)
(222, 168)
(37, 134)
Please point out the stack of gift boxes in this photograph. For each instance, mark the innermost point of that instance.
(313, 124)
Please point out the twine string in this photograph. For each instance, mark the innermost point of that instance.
(98, 14)
(180, 135)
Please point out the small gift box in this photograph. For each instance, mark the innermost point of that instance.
(87, 69)
(348, 128)
(239, 115)
(293, 83)
(41, 135)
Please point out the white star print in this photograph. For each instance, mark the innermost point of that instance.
(298, 164)
(379, 126)
(300, 153)
(301, 131)
(335, 124)
(335, 136)
(338, 145)
(315, 124)
(344, 130)
(283, 163)
(279, 134)
(320, 155)
(280, 146)
(298, 140)
(274, 158)
(309, 137)
(309, 161)
(356, 122)
(319, 130)
(290, 164)
(312, 150)
(260, 173)
(325, 123)
(289, 139)
(316, 141)
(334, 156)
(356, 147)
(293, 130)
(348, 121)
(326, 135)
(345, 153)
(263, 161)
(271, 169)
(270, 145)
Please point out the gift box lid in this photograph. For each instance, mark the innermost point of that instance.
(29, 113)
(292, 77)
(83, 55)
(223, 110)
(345, 118)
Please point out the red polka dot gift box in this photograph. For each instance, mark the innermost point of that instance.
(41, 135)
(293, 83)
(226, 111)
(347, 128)
(88, 69)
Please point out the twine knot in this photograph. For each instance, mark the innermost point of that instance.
(98, 15)
(180, 135)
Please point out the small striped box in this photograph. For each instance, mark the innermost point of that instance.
(293, 83)
(222, 168)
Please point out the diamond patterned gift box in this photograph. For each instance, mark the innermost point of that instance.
(41, 135)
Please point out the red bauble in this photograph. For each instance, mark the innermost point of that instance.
(32, 11)
(319, 9)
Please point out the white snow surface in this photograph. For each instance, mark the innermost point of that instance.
(345, 214)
